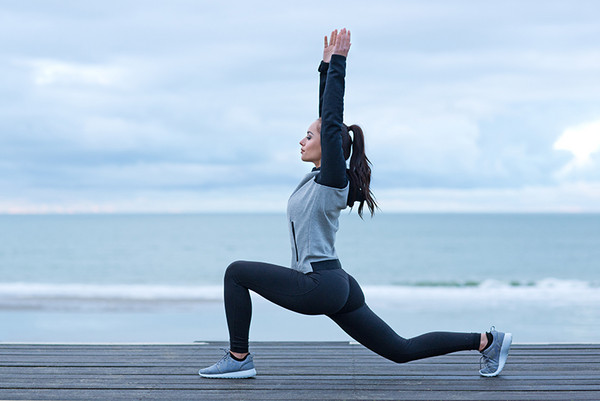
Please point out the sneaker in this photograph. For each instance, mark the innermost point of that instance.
(229, 368)
(494, 357)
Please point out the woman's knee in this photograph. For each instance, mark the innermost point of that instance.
(233, 270)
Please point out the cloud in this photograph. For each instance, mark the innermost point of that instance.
(564, 198)
(251, 198)
(421, 142)
(105, 102)
(118, 134)
(52, 72)
(582, 141)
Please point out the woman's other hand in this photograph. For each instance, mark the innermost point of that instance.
(342, 43)
(328, 49)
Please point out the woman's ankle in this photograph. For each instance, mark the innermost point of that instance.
(239, 355)
(483, 342)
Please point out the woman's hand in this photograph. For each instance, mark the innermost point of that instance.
(342, 43)
(328, 50)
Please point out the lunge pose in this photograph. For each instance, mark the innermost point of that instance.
(316, 284)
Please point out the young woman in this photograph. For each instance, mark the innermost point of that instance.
(316, 284)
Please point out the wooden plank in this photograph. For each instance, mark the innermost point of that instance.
(319, 371)
(509, 373)
(282, 384)
(324, 394)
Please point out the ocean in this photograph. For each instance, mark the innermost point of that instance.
(158, 278)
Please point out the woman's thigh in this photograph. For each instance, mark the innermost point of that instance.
(315, 293)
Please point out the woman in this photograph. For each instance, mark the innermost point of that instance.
(316, 283)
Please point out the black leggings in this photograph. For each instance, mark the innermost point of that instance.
(331, 292)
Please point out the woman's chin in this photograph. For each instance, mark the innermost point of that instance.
(305, 159)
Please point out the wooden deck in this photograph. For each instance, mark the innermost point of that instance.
(317, 370)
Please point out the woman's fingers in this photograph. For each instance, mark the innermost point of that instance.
(332, 38)
(338, 43)
(342, 42)
(343, 36)
(346, 38)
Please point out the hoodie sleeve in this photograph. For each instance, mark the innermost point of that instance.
(323, 67)
(333, 164)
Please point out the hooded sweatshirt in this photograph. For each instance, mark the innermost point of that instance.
(314, 207)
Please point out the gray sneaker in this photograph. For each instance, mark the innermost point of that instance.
(494, 357)
(229, 368)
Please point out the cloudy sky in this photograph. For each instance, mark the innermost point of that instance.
(198, 106)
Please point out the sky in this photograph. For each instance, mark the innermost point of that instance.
(198, 106)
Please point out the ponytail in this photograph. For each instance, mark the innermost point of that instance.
(359, 171)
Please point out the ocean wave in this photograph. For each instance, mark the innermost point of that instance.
(544, 283)
(139, 296)
(549, 292)
(121, 291)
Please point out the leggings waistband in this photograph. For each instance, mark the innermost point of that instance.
(326, 265)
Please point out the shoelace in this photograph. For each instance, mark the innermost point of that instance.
(483, 362)
(227, 355)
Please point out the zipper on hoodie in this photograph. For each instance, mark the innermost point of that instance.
(295, 244)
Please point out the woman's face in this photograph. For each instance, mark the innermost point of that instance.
(311, 145)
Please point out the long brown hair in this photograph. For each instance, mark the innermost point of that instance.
(359, 173)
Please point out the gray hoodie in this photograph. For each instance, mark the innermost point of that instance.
(314, 206)
(313, 211)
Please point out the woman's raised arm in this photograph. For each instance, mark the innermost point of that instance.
(333, 164)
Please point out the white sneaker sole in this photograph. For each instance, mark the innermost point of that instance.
(241, 374)
(503, 355)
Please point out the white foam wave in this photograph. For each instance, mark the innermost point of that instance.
(547, 291)
(554, 283)
(91, 296)
(123, 292)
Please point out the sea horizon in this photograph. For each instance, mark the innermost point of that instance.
(116, 277)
